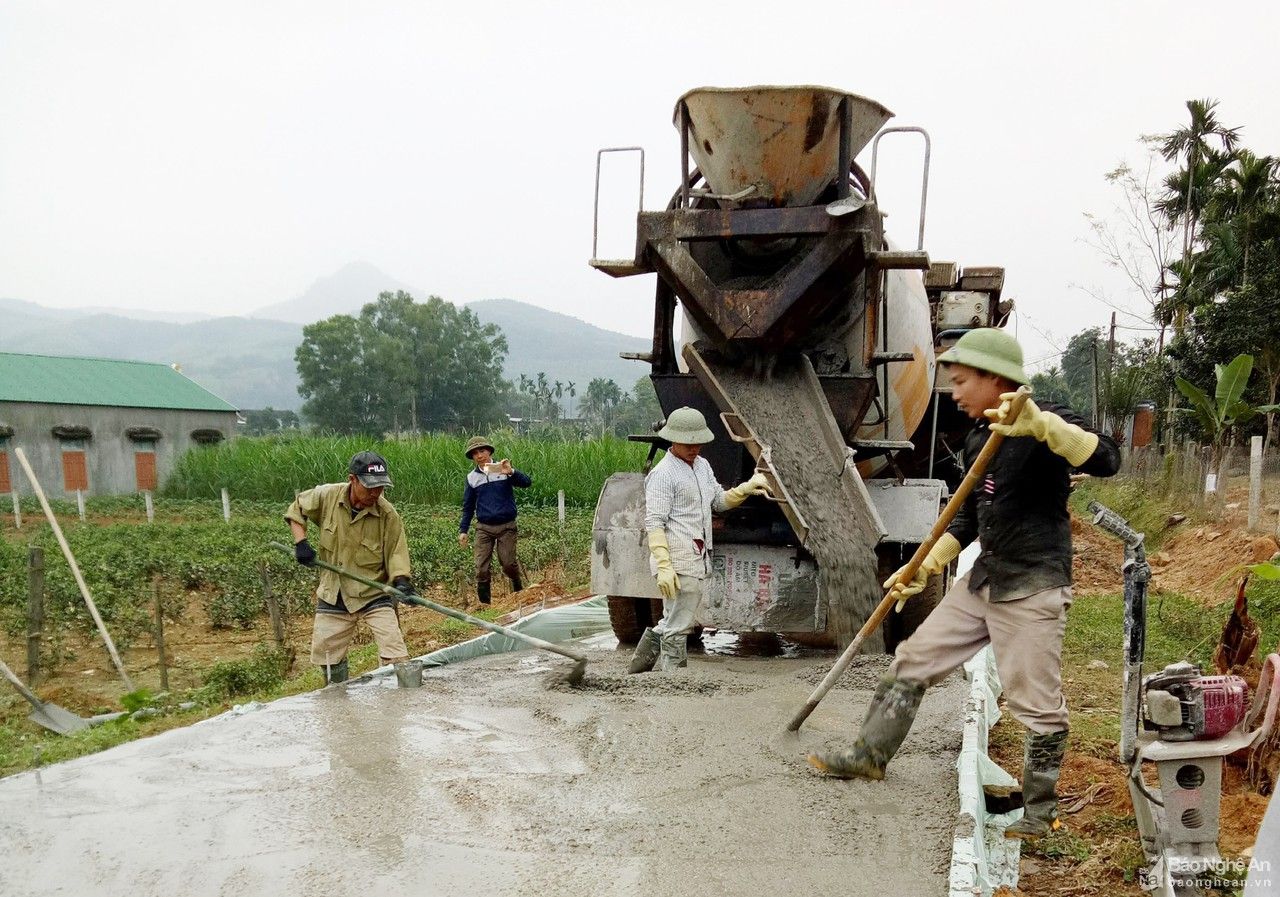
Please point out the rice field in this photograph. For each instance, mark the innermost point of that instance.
(426, 470)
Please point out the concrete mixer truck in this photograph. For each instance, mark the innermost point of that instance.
(808, 341)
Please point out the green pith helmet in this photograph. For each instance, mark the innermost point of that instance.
(686, 426)
(988, 349)
(478, 442)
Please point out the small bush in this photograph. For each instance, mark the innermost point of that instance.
(263, 671)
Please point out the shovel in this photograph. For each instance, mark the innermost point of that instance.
(572, 677)
(51, 716)
(944, 520)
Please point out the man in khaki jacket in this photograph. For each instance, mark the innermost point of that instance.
(359, 531)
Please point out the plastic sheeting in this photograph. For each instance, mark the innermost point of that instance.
(559, 624)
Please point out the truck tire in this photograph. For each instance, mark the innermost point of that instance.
(629, 617)
(898, 627)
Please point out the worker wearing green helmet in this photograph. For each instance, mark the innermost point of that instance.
(1016, 596)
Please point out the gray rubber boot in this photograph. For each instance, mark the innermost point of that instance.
(889, 718)
(337, 672)
(646, 653)
(1041, 763)
(674, 652)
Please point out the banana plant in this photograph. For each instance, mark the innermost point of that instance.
(1227, 408)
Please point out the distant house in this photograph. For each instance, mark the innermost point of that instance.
(101, 426)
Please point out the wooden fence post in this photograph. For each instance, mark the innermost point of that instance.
(273, 606)
(1255, 481)
(35, 610)
(164, 665)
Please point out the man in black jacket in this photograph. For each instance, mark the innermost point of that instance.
(1016, 596)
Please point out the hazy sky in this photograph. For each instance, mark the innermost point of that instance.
(218, 157)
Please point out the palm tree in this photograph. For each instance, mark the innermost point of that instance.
(1250, 192)
(1203, 167)
(569, 388)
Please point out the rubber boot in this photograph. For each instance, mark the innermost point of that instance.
(516, 584)
(336, 672)
(1042, 761)
(483, 590)
(893, 710)
(673, 652)
(646, 653)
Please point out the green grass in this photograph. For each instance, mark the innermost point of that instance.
(1138, 502)
(426, 470)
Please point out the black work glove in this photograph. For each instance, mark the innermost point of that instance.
(304, 554)
(405, 586)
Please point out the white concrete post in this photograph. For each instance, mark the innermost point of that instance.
(560, 506)
(151, 511)
(1255, 481)
(80, 504)
(226, 505)
(17, 510)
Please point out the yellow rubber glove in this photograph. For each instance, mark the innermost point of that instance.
(943, 552)
(757, 485)
(668, 582)
(1069, 441)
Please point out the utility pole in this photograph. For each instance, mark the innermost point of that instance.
(1096, 413)
(1111, 360)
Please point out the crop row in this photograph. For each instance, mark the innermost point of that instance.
(427, 469)
(220, 562)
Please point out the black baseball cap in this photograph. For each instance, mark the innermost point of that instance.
(371, 469)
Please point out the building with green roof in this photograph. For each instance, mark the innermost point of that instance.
(101, 426)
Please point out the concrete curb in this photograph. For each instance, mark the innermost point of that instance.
(982, 859)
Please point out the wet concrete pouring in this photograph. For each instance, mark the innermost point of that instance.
(487, 781)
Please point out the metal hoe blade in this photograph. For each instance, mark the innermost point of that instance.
(51, 716)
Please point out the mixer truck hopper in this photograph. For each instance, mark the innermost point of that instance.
(808, 341)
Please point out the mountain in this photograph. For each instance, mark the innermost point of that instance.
(249, 361)
(343, 292)
(565, 348)
(141, 314)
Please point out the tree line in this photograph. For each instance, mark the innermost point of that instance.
(1196, 234)
(402, 366)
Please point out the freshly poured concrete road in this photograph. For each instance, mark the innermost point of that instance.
(486, 782)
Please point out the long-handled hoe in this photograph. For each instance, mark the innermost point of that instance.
(573, 676)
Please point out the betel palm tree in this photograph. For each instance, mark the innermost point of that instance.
(1187, 190)
(1250, 195)
(571, 389)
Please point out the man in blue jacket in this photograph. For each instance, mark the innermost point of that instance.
(490, 498)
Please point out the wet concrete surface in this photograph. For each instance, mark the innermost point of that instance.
(487, 781)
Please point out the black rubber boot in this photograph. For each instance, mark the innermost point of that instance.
(893, 710)
(646, 654)
(1041, 763)
(483, 590)
(337, 672)
(516, 584)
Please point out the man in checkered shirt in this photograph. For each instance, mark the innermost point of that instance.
(680, 494)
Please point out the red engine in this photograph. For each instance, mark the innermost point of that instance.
(1184, 705)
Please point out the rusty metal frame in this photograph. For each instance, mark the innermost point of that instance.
(842, 250)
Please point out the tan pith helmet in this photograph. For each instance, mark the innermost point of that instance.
(991, 350)
(478, 442)
(686, 426)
